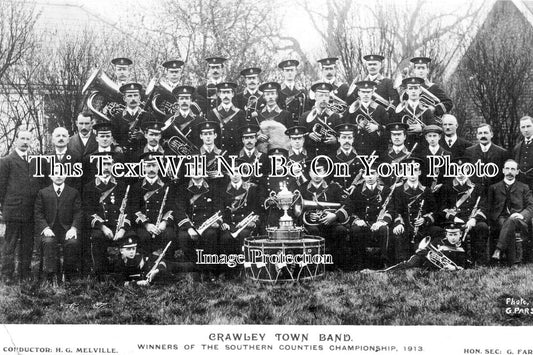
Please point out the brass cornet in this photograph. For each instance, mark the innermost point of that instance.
(436, 257)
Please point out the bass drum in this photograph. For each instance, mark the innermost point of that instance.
(273, 261)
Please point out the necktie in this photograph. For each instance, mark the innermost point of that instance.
(450, 143)
(506, 206)
(25, 158)
(58, 191)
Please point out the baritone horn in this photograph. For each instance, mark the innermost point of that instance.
(313, 210)
(436, 257)
(178, 142)
(104, 96)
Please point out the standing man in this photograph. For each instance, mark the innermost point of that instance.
(511, 208)
(230, 118)
(122, 70)
(251, 98)
(432, 135)
(456, 145)
(320, 122)
(523, 152)
(271, 109)
(487, 152)
(249, 153)
(384, 86)
(162, 89)
(346, 154)
(291, 98)
(83, 143)
(441, 102)
(206, 94)
(18, 190)
(328, 73)
(58, 219)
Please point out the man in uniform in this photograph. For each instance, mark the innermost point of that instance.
(339, 91)
(511, 208)
(249, 153)
(208, 135)
(122, 70)
(455, 144)
(487, 152)
(370, 119)
(152, 136)
(291, 98)
(103, 198)
(164, 88)
(432, 135)
(297, 152)
(320, 122)
(398, 151)
(206, 94)
(369, 206)
(459, 200)
(18, 189)
(323, 221)
(152, 207)
(250, 100)
(230, 118)
(346, 154)
(83, 142)
(412, 112)
(127, 125)
(414, 206)
(386, 94)
(271, 109)
(421, 70)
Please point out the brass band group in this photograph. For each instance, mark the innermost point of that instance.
(157, 222)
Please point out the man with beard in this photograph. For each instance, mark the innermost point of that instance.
(412, 112)
(384, 86)
(250, 100)
(83, 143)
(370, 119)
(230, 118)
(458, 200)
(487, 152)
(455, 144)
(206, 94)
(319, 122)
(511, 208)
(291, 98)
(122, 70)
(102, 200)
(421, 70)
(152, 206)
(127, 125)
(18, 190)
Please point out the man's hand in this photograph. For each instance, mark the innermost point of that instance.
(71, 233)
(143, 283)
(152, 229)
(415, 128)
(328, 218)
(120, 234)
(377, 225)
(47, 232)
(108, 233)
(224, 226)
(262, 137)
(162, 226)
(471, 223)
(516, 215)
(371, 127)
(330, 139)
(419, 221)
(314, 136)
(398, 229)
(359, 223)
(193, 234)
(150, 275)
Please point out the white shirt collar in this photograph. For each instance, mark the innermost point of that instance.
(61, 152)
(485, 148)
(434, 150)
(151, 181)
(237, 186)
(62, 187)
(108, 149)
(21, 153)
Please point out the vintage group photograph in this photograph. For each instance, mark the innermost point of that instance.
(241, 162)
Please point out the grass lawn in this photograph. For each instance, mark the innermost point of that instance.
(412, 297)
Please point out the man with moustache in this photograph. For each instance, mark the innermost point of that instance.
(297, 152)
(152, 135)
(250, 100)
(291, 97)
(229, 118)
(328, 73)
(102, 199)
(370, 119)
(384, 86)
(398, 151)
(487, 152)
(346, 154)
(320, 122)
(511, 208)
(127, 125)
(63, 156)
(206, 94)
(162, 89)
(83, 143)
(249, 153)
(271, 109)
(58, 219)
(455, 144)
(432, 135)
(18, 190)
(208, 134)
(523, 152)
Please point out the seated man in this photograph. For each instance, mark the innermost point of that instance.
(133, 268)
(511, 206)
(443, 254)
(58, 219)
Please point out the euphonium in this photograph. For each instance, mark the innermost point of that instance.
(104, 98)
(412, 120)
(178, 142)
(428, 99)
(363, 120)
(316, 208)
(436, 257)
(336, 104)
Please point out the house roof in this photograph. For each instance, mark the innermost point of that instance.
(524, 7)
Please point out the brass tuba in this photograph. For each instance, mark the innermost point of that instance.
(104, 96)
(436, 257)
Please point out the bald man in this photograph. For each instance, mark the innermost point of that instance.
(451, 142)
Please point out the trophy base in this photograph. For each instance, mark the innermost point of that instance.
(292, 233)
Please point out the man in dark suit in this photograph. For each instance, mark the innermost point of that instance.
(58, 219)
(18, 189)
(523, 152)
(487, 152)
(511, 208)
(83, 143)
(65, 157)
(456, 145)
